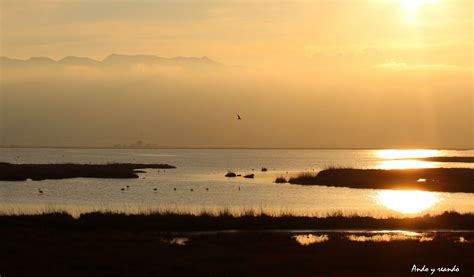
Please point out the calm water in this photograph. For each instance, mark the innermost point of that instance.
(201, 169)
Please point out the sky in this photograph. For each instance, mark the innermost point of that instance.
(303, 74)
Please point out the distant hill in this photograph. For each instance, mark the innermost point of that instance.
(72, 60)
(114, 60)
(41, 60)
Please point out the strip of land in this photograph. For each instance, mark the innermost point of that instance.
(147, 245)
(429, 179)
(37, 172)
(453, 159)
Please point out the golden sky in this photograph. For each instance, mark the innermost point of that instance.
(258, 33)
(321, 73)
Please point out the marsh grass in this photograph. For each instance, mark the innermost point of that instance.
(23, 172)
(280, 180)
(245, 219)
(303, 178)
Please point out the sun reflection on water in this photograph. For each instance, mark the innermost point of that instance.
(399, 236)
(310, 239)
(177, 241)
(406, 159)
(405, 164)
(407, 202)
(407, 153)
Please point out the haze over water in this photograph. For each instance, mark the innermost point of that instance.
(199, 169)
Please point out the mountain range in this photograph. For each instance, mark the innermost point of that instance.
(113, 59)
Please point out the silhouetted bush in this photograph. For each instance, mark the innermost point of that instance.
(280, 180)
(231, 174)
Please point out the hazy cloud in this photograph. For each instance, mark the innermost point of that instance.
(420, 67)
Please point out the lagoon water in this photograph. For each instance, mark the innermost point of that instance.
(198, 169)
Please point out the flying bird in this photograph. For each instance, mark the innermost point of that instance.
(239, 117)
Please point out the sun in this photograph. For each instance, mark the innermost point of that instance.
(412, 6)
(407, 201)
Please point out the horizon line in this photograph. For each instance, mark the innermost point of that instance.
(232, 148)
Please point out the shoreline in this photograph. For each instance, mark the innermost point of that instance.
(447, 159)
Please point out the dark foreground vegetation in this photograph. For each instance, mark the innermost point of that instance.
(119, 245)
(430, 179)
(454, 159)
(22, 172)
(172, 222)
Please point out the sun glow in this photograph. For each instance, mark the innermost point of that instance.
(407, 202)
(412, 6)
(405, 164)
(407, 154)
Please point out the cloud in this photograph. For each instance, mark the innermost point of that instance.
(77, 102)
(145, 71)
(402, 66)
(89, 72)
